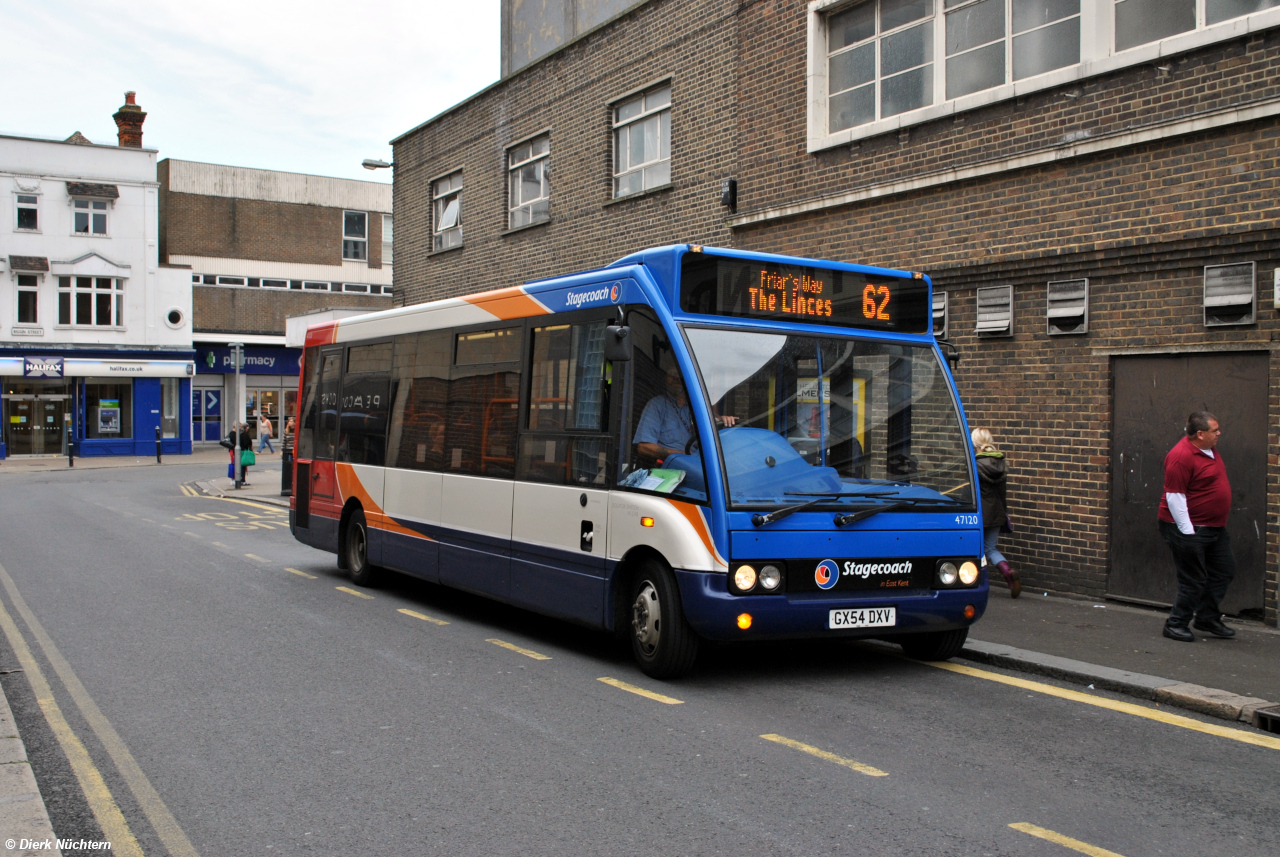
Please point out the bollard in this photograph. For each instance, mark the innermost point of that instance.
(71, 453)
(157, 444)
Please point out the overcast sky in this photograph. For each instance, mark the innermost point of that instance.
(310, 87)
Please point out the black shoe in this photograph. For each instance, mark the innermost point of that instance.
(1216, 627)
(1179, 633)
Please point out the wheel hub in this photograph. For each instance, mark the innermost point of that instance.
(646, 618)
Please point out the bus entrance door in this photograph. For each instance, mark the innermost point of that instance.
(325, 503)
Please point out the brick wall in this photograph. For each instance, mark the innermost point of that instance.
(222, 227)
(229, 309)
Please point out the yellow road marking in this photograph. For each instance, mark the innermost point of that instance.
(528, 653)
(640, 691)
(153, 806)
(354, 592)
(1064, 841)
(258, 558)
(1123, 707)
(193, 535)
(421, 616)
(824, 755)
(219, 544)
(101, 802)
(301, 573)
(262, 506)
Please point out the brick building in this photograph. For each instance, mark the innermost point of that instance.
(1091, 185)
(262, 246)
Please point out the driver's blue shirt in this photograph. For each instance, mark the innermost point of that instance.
(665, 423)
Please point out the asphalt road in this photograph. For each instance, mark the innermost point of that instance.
(259, 707)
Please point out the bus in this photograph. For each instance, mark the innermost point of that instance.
(689, 444)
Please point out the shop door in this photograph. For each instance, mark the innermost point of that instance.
(35, 425)
(1152, 397)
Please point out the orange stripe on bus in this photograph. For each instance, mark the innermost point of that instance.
(694, 515)
(352, 487)
(507, 304)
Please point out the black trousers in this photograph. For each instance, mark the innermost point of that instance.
(1205, 566)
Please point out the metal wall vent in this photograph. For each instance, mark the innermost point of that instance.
(1230, 292)
(940, 315)
(1068, 307)
(995, 311)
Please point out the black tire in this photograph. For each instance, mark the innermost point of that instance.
(938, 646)
(363, 572)
(661, 640)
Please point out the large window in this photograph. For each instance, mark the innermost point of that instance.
(362, 427)
(446, 212)
(420, 406)
(484, 395)
(28, 299)
(108, 408)
(28, 212)
(876, 65)
(90, 216)
(528, 188)
(355, 235)
(567, 421)
(91, 301)
(642, 142)
(169, 390)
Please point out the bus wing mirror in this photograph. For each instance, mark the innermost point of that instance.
(617, 343)
(951, 353)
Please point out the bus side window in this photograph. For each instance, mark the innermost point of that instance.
(362, 425)
(484, 394)
(420, 394)
(306, 441)
(327, 420)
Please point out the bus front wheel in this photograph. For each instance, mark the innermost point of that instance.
(937, 646)
(363, 573)
(663, 643)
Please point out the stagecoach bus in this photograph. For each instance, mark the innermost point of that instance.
(691, 443)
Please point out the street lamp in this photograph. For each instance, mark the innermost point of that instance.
(374, 164)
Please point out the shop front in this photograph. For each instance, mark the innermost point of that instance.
(268, 388)
(105, 406)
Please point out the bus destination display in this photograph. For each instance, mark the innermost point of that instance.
(716, 285)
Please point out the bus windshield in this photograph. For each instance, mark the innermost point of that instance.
(839, 420)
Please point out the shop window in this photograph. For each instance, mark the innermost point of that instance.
(420, 394)
(169, 389)
(355, 236)
(387, 226)
(90, 216)
(528, 186)
(28, 212)
(108, 408)
(642, 142)
(28, 299)
(446, 212)
(91, 302)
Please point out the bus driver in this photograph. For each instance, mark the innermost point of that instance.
(666, 424)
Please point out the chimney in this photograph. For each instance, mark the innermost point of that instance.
(129, 119)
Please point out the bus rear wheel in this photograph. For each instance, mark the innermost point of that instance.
(663, 643)
(363, 572)
(938, 646)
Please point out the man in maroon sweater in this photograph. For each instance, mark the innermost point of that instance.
(1193, 522)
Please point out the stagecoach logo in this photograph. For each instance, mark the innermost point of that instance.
(614, 292)
(826, 574)
(581, 299)
(42, 367)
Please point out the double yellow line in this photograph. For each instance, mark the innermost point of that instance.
(102, 803)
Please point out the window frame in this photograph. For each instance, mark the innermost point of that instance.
(19, 206)
(542, 160)
(355, 248)
(72, 288)
(618, 128)
(1098, 55)
(443, 194)
(388, 238)
(28, 288)
(91, 206)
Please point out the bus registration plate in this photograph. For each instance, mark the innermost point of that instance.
(865, 617)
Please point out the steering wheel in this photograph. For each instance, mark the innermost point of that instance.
(693, 440)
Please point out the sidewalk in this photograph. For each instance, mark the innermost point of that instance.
(209, 456)
(1120, 648)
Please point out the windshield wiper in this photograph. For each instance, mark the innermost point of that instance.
(778, 514)
(863, 514)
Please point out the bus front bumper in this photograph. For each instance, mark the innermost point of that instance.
(714, 612)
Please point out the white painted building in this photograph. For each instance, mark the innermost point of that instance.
(95, 334)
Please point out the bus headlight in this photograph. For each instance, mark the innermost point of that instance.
(947, 573)
(770, 577)
(744, 579)
(968, 572)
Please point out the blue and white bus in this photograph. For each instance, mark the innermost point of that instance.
(689, 444)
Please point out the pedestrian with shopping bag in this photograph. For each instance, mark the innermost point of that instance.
(229, 443)
(247, 458)
(992, 483)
